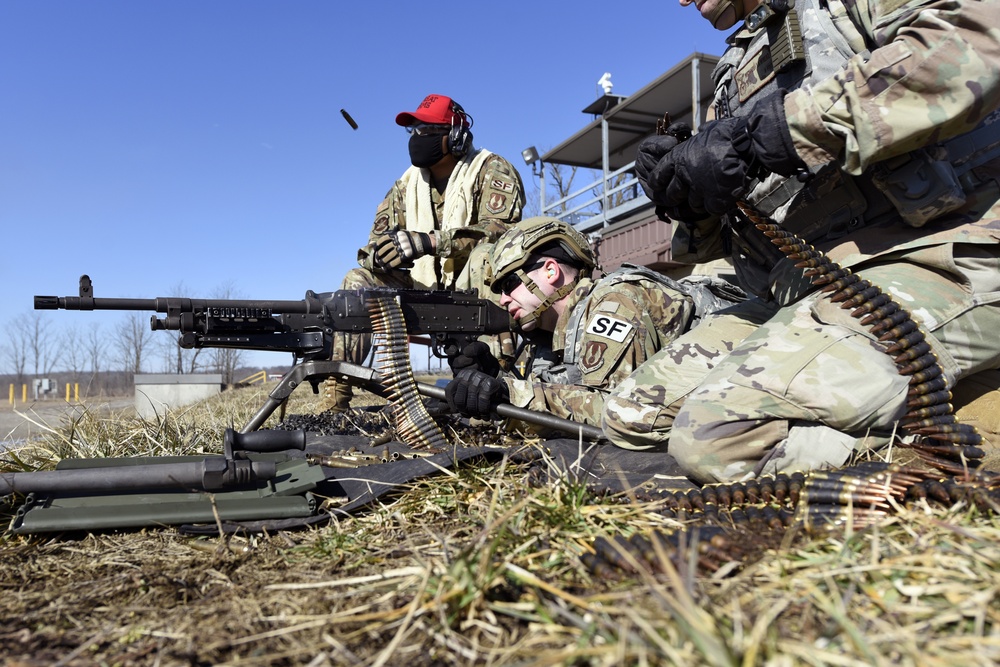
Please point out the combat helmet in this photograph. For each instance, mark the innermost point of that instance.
(550, 237)
(527, 241)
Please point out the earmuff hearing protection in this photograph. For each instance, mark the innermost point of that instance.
(459, 137)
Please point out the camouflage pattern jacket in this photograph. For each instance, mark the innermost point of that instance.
(621, 320)
(893, 105)
(497, 201)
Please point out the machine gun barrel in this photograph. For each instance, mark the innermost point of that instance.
(170, 304)
(304, 327)
(545, 419)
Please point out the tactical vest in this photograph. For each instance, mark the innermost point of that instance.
(707, 293)
(786, 48)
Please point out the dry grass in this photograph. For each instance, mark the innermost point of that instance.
(479, 567)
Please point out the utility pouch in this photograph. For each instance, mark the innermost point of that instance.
(919, 186)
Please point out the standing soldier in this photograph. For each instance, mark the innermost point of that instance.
(452, 198)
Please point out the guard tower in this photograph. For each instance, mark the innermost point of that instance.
(613, 208)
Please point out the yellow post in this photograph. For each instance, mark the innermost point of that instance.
(12, 393)
(24, 393)
(76, 392)
(67, 392)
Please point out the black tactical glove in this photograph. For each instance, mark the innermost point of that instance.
(476, 356)
(653, 149)
(399, 248)
(706, 174)
(475, 394)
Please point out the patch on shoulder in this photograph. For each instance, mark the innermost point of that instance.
(592, 357)
(754, 74)
(502, 186)
(381, 224)
(606, 326)
(497, 203)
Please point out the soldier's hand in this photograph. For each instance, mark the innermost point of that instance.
(476, 356)
(475, 394)
(709, 172)
(399, 248)
(653, 149)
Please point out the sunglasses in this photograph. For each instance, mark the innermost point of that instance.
(510, 282)
(425, 130)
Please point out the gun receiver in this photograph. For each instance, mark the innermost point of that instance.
(304, 327)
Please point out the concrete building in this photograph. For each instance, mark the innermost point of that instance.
(156, 394)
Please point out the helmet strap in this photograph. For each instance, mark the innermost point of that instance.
(546, 300)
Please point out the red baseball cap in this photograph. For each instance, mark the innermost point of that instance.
(436, 110)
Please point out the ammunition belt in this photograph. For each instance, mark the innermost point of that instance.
(414, 425)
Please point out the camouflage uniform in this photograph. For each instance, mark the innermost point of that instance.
(604, 330)
(498, 199)
(791, 381)
(621, 321)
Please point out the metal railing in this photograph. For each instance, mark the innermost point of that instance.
(588, 211)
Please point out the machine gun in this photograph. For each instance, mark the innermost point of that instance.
(449, 320)
(304, 327)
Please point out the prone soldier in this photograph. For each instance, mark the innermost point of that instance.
(584, 335)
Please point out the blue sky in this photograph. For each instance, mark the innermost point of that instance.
(155, 144)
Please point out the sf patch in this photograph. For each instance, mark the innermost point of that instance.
(609, 327)
(502, 186)
(496, 203)
(381, 224)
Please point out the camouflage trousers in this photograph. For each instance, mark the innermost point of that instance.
(759, 388)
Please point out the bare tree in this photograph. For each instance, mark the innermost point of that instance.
(562, 177)
(176, 359)
(132, 337)
(95, 346)
(227, 361)
(16, 352)
(558, 184)
(621, 196)
(74, 353)
(34, 342)
(224, 360)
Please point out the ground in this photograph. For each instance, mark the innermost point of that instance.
(33, 418)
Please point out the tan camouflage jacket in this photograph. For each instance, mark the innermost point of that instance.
(926, 72)
(498, 202)
(626, 320)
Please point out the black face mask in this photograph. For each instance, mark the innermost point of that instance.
(426, 151)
